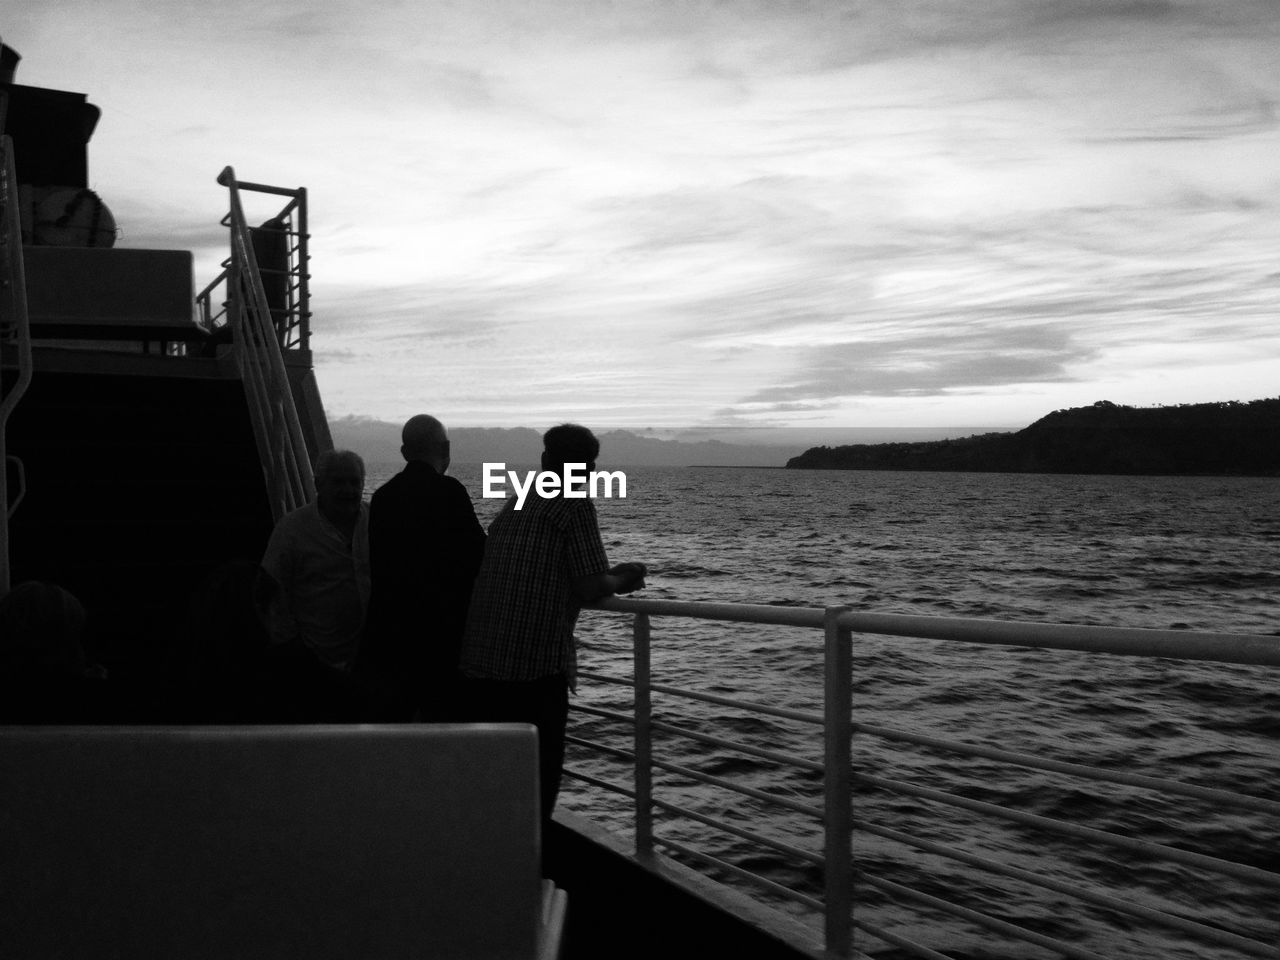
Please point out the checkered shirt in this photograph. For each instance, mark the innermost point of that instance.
(523, 609)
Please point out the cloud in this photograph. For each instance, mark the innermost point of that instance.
(687, 209)
(932, 363)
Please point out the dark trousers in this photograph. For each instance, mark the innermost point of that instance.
(545, 704)
(403, 695)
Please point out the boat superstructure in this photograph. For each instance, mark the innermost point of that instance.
(150, 434)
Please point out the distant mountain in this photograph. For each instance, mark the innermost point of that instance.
(1211, 439)
(379, 442)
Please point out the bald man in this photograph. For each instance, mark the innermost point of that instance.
(425, 545)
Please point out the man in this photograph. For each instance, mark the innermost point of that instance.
(318, 556)
(541, 564)
(425, 545)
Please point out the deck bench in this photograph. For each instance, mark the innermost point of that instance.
(369, 842)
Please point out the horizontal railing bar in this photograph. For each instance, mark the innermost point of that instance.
(737, 871)
(227, 179)
(1076, 769)
(1123, 641)
(207, 292)
(618, 752)
(982, 919)
(605, 678)
(1074, 830)
(625, 718)
(910, 946)
(740, 747)
(597, 782)
(769, 842)
(784, 713)
(702, 610)
(794, 805)
(1214, 934)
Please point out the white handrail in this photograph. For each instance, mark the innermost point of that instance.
(1123, 641)
(277, 427)
(839, 777)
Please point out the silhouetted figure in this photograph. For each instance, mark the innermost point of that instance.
(229, 671)
(541, 563)
(271, 251)
(425, 545)
(318, 555)
(45, 676)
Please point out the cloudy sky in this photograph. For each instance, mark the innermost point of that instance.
(667, 213)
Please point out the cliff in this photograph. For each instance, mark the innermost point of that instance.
(1227, 439)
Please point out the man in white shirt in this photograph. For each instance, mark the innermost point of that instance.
(318, 556)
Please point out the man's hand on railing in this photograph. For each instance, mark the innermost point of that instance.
(630, 576)
(622, 578)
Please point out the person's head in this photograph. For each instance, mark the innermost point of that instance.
(339, 484)
(424, 438)
(40, 629)
(569, 443)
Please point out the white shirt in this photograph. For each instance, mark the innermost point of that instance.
(323, 583)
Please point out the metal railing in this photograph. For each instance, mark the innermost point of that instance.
(282, 258)
(15, 334)
(262, 327)
(831, 854)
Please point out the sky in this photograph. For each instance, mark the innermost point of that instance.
(745, 213)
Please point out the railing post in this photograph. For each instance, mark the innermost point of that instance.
(837, 783)
(304, 273)
(643, 737)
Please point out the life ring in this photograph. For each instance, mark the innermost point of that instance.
(66, 217)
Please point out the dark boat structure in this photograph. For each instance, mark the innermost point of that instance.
(146, 443)
(152, 432)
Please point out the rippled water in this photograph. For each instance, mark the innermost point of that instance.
(1196, 553)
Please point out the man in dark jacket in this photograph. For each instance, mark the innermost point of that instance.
(425, 545)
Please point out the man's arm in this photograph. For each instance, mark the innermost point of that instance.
(623, 578)
(586, 556)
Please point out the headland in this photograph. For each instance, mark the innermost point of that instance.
(1231, 438)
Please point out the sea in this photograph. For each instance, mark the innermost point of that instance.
(1179, 553)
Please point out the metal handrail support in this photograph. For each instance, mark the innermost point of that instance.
(251, 380)
(1249, 648)
(277, 428)
(299, 256)
(304, 273)
(837, 783)
(14, 326)
(643, 737)
(839, 779)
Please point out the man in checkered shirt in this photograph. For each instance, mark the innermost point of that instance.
(542, 562)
